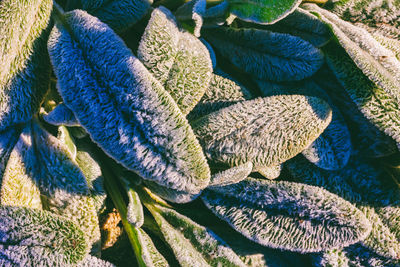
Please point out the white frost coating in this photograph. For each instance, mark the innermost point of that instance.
(61, 115)
(232, 175)
(134, 213)
(150, 255)
(269, 172)
(170, 194)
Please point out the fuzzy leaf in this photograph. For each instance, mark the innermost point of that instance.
(150, 255)
(262, 11)
(118, 14)
(379, 64)
(172, 195)
(32, 237)
(287, 215)
(8, 139)
(266, 55)
(222, 91)
(91, 261)
(134, 213)
(191, 242)
(232, 175)
(376, 104)
(123, 107)
(183, 66)
(265, 131)
(61, 115)
(25, 67)
(269, 172)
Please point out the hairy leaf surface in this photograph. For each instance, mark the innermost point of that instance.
(61, 115)
(269, 172)
(232, 175)
(125, 110)
(288, 215)
(264, 131)
(150, 255)
(25, 67)
(266, 55)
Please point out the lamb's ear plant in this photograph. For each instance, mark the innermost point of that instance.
(218, 132)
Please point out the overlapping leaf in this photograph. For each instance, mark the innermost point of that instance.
(232, 175)
(287, 215)
(150, 255)
(266, 55)
(61, 115)
(183, 64)
(262, 11)
(265, 131)
(269, 172)
(30, 237)
(25, 67)
(118, 14)
(132, 118)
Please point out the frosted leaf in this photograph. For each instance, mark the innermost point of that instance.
(222, 91)
(262, 11)
(25, 67)
(172, 195)
(288, 215)
(380, 205)
(91, 261)
(118, 14)
(232, 175)
(375, 103)
(134, 213)
(191, 242)
(305, 25)
(65, 137)
(31, 237)
(269, 172)
(265, 131)
(213, 57)
(123, 107)
(367, 139)
(266, 55)
(332, 149)
(183, 65)
(150, 255)
(8, 139)
(379, 64)
(61, 115)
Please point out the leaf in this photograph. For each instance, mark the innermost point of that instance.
(265, 131)
(376, 104)
(262, 11)
(25, 67)
(134, 213)
(61, 115)
(232, 175)
(192, 242)
(118, 14)
(150, 255)
(123, 107)
(288, 215)
(269, 172)
(222, 91)
(183, 66)
(379, 64)
(8, 139)
(31, 237)
(266, 55)
(91, 261)
(172, 195)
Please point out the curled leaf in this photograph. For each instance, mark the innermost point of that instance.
(288, 215)
(232, 175)
(266, 55)
(61, 115)
(132, 118)
(269, 172)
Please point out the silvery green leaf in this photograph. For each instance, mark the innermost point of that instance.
(287, 215)
(118, 14)
(380, 205)
(305, 25)
(25, 68)
(134, 213)
(367, 139)
(191, 242)
(265, 131)
(125, 110)
(266, 55)
(61, 115)
(232, 175)
(30, 237)
(389, 43)
(332, 149)
(150, 255)
(379, 107)
(262, 11)
(269, 172)
(183, 65)
(379, 64)
(91, 261)
(222, 91)
(64, 136)
(172, 195)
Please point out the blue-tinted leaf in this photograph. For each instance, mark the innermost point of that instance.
(183, 64)
(61, 115)
(118, 14)
(265, 131)
(8, 139)
(266, 55)
(123, 107)
(288, 215)
(25, 67)
(30, 237)
(262, 11)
